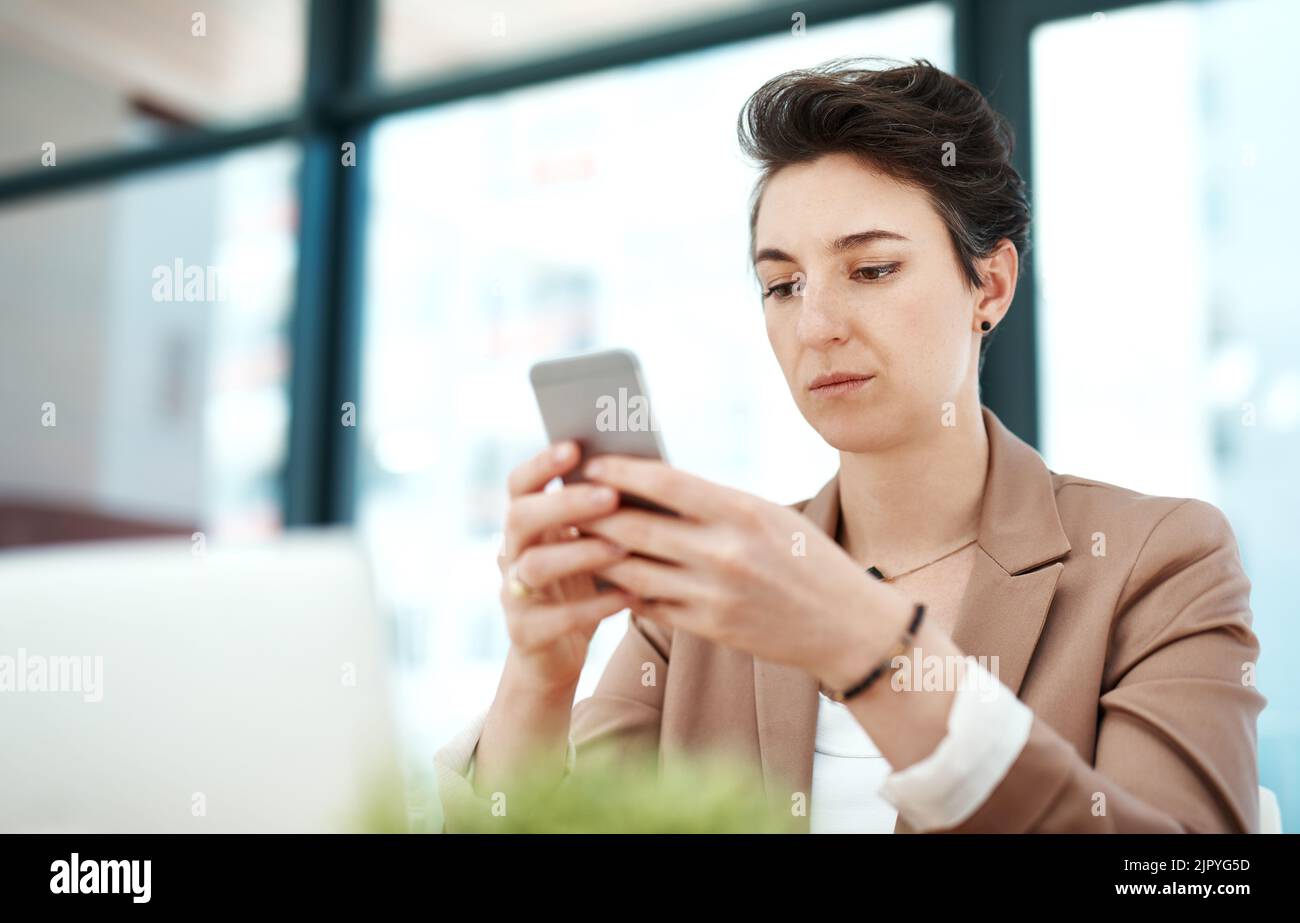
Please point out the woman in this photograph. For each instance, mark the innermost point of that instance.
(947, 637)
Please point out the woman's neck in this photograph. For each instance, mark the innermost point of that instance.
(918, 498)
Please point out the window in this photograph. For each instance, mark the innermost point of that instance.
(418, 39)
(1167, 315)
(144, 357)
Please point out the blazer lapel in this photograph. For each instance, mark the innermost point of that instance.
(1001, 615)
(786, 699)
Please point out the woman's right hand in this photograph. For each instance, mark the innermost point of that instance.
(551, 627)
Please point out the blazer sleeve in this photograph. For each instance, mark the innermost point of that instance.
(622, 715)
(987, 730)
(1176, 740)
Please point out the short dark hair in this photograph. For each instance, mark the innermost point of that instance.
(898, 120)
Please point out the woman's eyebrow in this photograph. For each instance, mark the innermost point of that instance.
(848, 241)
(839, 245)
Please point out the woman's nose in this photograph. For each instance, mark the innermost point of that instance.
(822, 316)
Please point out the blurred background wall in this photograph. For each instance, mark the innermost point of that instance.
(229, 234)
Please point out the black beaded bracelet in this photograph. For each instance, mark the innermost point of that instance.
(901, 648)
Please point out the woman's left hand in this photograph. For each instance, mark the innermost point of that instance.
(745, 573)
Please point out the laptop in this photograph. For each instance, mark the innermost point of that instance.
(166, 686)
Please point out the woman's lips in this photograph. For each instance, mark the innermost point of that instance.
(841, 385)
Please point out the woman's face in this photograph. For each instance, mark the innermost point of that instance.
(882, 295)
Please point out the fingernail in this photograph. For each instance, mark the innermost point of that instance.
(602, 496)
(562, 451)
(594, 468)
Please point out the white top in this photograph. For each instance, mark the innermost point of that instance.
(848, 770)
(854, 790)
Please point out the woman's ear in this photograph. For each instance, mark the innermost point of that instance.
(999, 270)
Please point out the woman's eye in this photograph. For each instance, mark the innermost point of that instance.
(787, 290)
(876, 273)
(782, 291)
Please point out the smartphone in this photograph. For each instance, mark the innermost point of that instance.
(600, 401)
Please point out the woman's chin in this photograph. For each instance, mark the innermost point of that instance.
(854, 433)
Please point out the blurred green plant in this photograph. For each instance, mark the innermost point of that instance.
(382, 808)
(622, 793)
(611, 791)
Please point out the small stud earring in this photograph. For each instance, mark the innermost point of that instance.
(985, 325)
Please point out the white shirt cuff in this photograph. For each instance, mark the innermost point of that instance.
(987, 730)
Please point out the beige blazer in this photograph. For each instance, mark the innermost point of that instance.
(1137, 663)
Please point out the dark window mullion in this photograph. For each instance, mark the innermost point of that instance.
(991, 40)
(325, 336)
